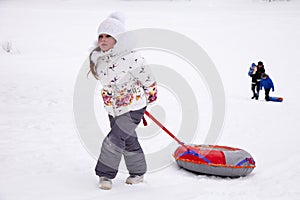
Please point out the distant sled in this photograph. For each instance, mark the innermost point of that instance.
(276, 99)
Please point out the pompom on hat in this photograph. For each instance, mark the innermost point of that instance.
(113, 25)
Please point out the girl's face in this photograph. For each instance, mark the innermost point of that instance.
(106, 42)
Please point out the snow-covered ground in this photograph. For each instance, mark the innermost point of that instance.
(41, 153)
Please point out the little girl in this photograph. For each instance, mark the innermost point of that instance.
(128, 87)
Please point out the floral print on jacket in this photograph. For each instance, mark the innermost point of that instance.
(127, 81)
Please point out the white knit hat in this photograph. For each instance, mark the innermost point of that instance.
(113, 25)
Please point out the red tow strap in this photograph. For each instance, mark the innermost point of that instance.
(145, 122)
(165, 129)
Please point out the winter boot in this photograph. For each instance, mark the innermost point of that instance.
(255, 95)
(135, 179)
(267, 98)
(105, 183)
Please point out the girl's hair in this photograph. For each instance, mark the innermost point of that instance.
(93, 68)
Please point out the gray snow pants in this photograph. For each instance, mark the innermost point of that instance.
(122, 140)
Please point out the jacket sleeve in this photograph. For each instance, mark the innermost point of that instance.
(143, 73)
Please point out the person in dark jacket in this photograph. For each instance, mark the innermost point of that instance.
(266, 83)
(256, 77)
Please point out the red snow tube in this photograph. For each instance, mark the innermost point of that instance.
(215, 160)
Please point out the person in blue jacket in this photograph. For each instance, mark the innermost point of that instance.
(266, 83)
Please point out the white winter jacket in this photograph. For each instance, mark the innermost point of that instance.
(127, 81)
